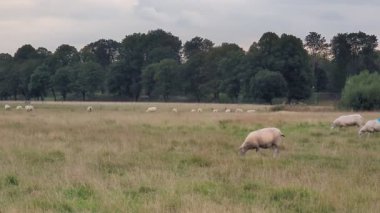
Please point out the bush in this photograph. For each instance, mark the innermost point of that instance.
(362, 92)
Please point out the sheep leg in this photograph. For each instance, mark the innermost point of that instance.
(275, 151)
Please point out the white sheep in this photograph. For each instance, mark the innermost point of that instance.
(151, 109)
(193, 110)
(215, 110)
(227, 110)
(263, 138)
(371, 126)
(174, 110)
(18, 107)
(348, 120)
(199, 110)
(29, 108)
(90, 109)
(7, 107)
(251, 111)
(238, 110)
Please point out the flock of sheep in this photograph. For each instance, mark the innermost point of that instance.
(28, 108)
(267, 137)
(227, 110)
(370, 126)
(271, 137)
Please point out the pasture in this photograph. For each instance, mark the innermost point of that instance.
(118, 158)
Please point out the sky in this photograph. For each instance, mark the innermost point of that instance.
(51, 23)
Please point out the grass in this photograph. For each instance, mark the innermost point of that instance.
(118, 158)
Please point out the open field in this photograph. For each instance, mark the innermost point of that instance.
(59, 158)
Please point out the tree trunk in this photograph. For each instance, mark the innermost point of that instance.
(83, 95)
(53, 92)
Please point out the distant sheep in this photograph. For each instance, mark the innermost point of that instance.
(262, 138)
(7, 107)
(238, 110)
(215, 110)
(371, 126)
(199, 110)
(251, 111)
(193, 110)
(89, 109)
(29, 108)
(174, 110)
(228, 110)
(18, 107)
(348, 120)
(151, 109)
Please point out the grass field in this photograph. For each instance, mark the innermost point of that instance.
(59, 158)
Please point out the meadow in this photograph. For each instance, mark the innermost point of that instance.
(118, 158)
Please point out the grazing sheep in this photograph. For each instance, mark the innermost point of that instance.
(18, 107)
(238, 110)
(174, 110)
(215, 110)
(371, 126)
(251, 110)
(7, 107)
(29, 108)
(89, 109)
(262, 138)
(348, 120)
(193, 110)
(227, 110)
(151, 109)
(199, 110)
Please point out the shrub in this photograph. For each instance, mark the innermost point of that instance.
(362, 92)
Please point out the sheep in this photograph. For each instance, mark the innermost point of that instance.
(151, 109)
(193, 110)
(199, 110)
(251, 111)
(371, 126)
(227, 110)
(29, 108)
(348, 120)
(263, 138)
(238, 110)
(89, 109)
(7, 107)
(174, 110)
(19, 107)
(215, 110)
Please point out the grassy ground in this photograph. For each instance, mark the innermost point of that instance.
(118, 158)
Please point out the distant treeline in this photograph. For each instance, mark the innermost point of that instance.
(157, 66)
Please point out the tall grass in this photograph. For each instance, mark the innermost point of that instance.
(118, 158)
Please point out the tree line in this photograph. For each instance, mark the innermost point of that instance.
(157, 66)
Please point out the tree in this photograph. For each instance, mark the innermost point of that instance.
(267, 85)
(352, 53)
(318, 49)
(195, 46)
(89, 79)
(39, 81)
(103, 52)
(63, 80)
(166, 77)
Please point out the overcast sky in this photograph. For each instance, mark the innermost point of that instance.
(50, 23)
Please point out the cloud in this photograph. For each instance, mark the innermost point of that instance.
(50, 23)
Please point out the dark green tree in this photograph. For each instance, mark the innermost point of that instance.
(39, 81)
(267, 85)
(89, 78)
(166, 78)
